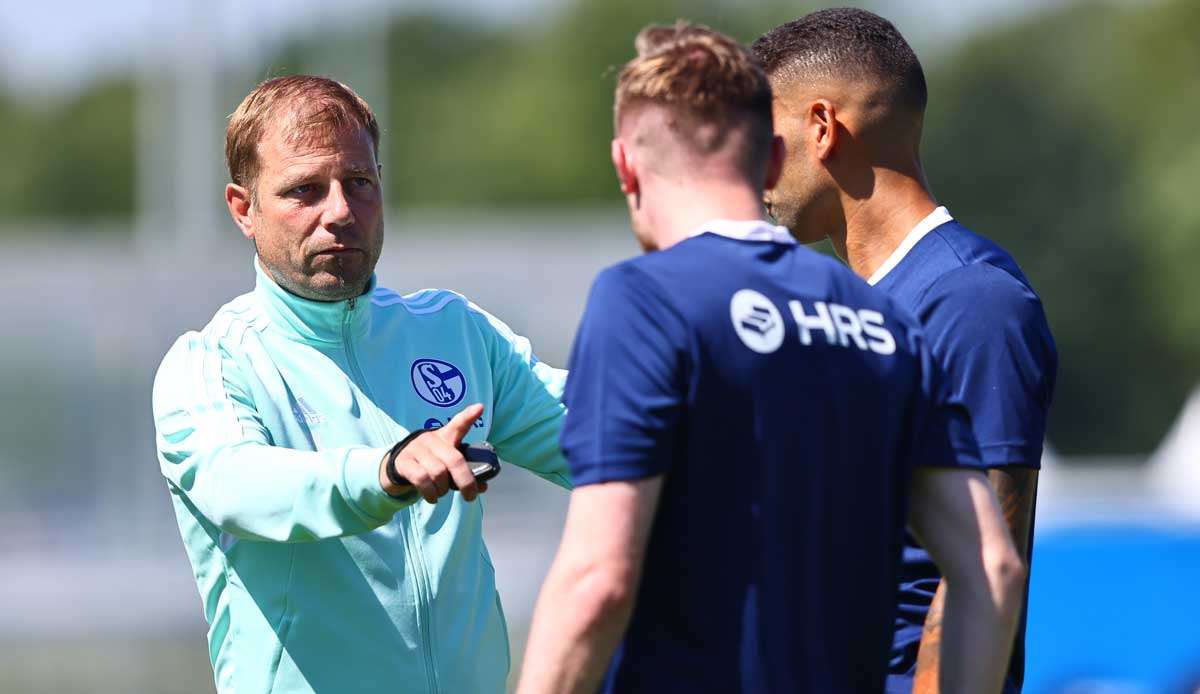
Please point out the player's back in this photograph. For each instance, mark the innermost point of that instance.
(772, 560)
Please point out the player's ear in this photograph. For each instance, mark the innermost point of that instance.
(822, 127)
(622, 160)
(239, 200)
(774, 162)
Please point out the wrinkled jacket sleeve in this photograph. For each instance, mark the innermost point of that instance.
(528, 412)
(215, 451)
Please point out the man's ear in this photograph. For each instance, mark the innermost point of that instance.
(822, 126)
(623, 162)
(239, 201)
(775, 162)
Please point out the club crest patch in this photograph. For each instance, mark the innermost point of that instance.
(438, 382)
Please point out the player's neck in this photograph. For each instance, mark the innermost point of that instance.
(679, 211)
(876, 225)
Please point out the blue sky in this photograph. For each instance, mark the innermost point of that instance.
(46, 47)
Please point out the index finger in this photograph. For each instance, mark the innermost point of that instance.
(458, 427)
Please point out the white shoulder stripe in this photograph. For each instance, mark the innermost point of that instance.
(234, 320)
(387, 297)
(442, 302)
(420, 302)
(383, 294)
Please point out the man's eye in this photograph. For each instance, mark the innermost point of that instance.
(362, 181)
(302, 189)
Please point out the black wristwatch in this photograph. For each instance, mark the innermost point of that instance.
(395, 477)
(484, 462)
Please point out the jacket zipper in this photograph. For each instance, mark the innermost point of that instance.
(412, 540)
(423, 597)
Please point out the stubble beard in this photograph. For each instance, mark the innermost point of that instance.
(303, 281)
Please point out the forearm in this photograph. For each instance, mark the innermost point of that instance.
(978, 627)
(929, 656)
(269, 493)
(969, 632)
(578, 622)
(536, 449)
(1014, 490)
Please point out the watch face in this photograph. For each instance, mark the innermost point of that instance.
(485, 471)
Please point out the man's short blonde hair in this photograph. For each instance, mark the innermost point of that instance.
(311, 107)
(706, 79)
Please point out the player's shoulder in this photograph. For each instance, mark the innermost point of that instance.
(976, 260)
(637, 274)
(641, 288)
(982, 301)
(985, 287)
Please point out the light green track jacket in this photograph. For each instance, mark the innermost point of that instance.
(271, 424)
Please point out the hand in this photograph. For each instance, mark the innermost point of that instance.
(432, 459)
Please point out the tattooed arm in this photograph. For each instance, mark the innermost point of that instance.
(955, 516)
(1016, 489)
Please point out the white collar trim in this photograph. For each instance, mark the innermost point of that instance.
(745, 230)
(934, 220)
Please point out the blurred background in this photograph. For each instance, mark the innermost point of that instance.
(1064, 130)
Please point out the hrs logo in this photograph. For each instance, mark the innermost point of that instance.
(760, 326)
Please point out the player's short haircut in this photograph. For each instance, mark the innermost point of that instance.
(845, 44)
(710, 83)
(310, 107)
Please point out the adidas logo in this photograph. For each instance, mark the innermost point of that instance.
(305, 414)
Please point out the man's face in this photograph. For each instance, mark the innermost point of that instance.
(317, 216)
(804, 183)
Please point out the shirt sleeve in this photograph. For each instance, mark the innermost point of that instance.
(940, 425)
(215, 451)
(528, 412)
(989, 335)
(627, 388)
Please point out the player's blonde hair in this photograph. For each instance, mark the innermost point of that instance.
(312, 107)
(705, 78)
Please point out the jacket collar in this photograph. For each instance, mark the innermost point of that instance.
(312, 321)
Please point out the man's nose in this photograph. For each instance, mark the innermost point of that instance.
(337, 211)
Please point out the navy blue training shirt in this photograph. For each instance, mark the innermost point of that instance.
(988, 333)
(785, 402)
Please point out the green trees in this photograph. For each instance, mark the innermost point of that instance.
(70, 160)
(1066, 139)
(1069, 137)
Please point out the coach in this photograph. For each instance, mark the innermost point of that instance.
(850, 100)
(278, 424)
